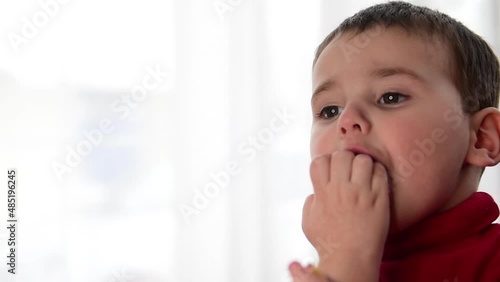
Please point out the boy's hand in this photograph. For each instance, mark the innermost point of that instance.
(301, 274)
(347, 218)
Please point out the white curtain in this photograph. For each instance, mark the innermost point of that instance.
(165, 140)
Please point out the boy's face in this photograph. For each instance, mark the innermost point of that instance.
(389, 94)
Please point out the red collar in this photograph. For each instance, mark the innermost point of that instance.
(456, 224)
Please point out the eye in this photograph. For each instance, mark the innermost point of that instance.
(329, 112)
(392, 98)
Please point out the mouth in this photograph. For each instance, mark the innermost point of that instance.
(361, 150)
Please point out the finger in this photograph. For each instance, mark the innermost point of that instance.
(308, 274)
(307, 207)
(320, 172)
(298, 272)
(310, 268)
(362, 170)
(380, 180)
(341, 166)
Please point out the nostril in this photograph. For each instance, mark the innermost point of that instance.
(355, 127)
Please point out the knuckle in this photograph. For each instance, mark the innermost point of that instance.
(319, 163)
(310, 199)
(307, 203)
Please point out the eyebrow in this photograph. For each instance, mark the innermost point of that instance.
(385, 72)
(380, 72)
(325, 86)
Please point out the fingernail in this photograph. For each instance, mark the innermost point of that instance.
(294, 266)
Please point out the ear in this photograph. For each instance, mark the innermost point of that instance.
(484, 145)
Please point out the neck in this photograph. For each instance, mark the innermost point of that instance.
(467, 184)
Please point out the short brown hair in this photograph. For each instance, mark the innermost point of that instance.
(475, 66)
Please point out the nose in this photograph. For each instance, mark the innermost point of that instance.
(353, 120)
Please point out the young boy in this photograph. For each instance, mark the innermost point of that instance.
(405, 122)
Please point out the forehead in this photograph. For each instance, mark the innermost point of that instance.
(359, 53)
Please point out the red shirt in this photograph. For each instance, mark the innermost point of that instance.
(457, 245)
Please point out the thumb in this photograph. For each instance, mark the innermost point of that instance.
(301, 274)
(297, 271)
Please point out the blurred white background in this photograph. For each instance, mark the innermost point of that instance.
(119, 114)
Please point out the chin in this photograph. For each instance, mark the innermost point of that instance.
(401, 221)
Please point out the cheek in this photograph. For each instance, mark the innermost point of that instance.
(451, 149)
(429, 155)
(322, 142)
(428, 172)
